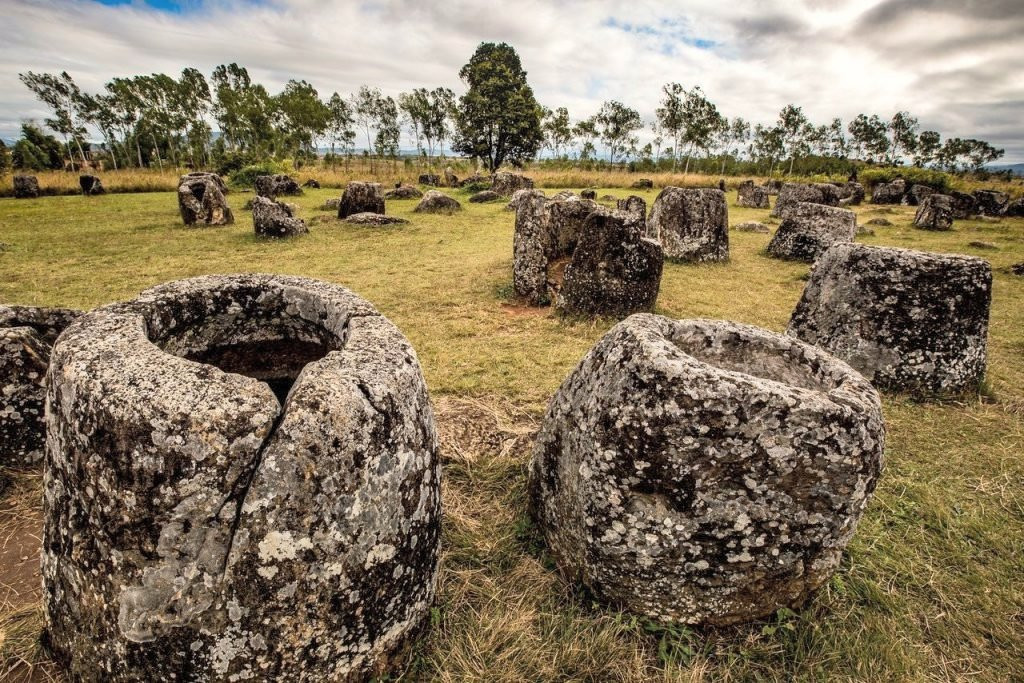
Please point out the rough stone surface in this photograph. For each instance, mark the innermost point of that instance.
(703, 471)
(809, 229)
(521, 196)
(793, 193)
(484, 196)
(450, 179)
(313, 183)
(565, 194)
(588, 194)
(431, 179)
(643, 184)
(935, 212)
(692, 224)
(981, 244)
(889, 193)
(1017, 268)
(437, 202)
(864, 231)
(403, 192)
(636, 208)
(916, 194)
(201, 201)
(369, 218)
(1015, 208)
(751, 196)
(752, 226)
(272, 186)
(26, 335)
(360, 197)
(831, 194)
(773, 185)
(907, 320)
(614, 270)
(271, 218)
(883, 222)
(545, 231)
(506, 184)
(221, 185)
(964, 205)
(991, 202)
(91, 185)
(851, 194)
(331, 204)
(241, 484)
(26, 187)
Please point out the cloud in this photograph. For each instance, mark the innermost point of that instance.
(949, 62)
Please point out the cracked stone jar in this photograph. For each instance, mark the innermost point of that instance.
(702, 471)
(241, 483)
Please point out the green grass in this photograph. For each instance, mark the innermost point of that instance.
(932, 587)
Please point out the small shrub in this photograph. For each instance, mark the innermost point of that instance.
(937, 180)
(246, 177)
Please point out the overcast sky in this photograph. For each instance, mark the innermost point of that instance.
(958, 65)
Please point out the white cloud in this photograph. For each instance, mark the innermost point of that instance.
(952, 64)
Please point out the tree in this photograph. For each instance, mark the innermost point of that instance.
(62, 95)
(498, 118)
(388, 129)
(193, 102)
(440, 110)
(99, 111)
(795, 131)
(340, 125)
(586, 132)
(927, 148)
(414, 106)
(302, 117)
(868, 136)
(557, 130)
(767, 145)
(5, 159)
(903, 136)
(671, 115)
(36, 151)
(365, 105)
(616, 124)
(658, 139)
(837, 140)
(243, 109)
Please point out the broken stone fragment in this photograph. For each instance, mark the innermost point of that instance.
(751, 196)
(271, 186)
(507, 184)
(201, 200)
(809, 229)
(702, 471)
(437, 202)
(909, 321)
(360, 197)
(271, 218)
(692, 224)
(934, 212)
(241, 483)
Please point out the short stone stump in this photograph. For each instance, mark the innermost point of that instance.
(704, 472)
(692, 224)
(809, 229)
(437, 202)
(360, 197)
(751, 196)
(271, 186)
(25, 187)
(91, 185)
(507, 184)
(909, 321)
(935, 212)
(201, 200)
(241, 483)
(271, 218)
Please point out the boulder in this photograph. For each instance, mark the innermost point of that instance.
(865, 231)
(403, 192)
(520, 196)
(484, 196)
(272, 218)
(546, 232)
(588, 194)
(752, 226)
(216, 179)
(636, 208)
(315, 184)
(934, 213)
(475, 179)
(907, 320)
(360, 197)
(692, 224)
(450, 179)
(506, 184)
(916, 194)
(26, 335)
(331, 204)
(980, 244)
(369, 218)
(643, 184)
(882, 222)
(964, 205)
(809, 229)
(889, 193)
(431, 179)
(991, 202)
(26, 187)
(614, 271)
(201, 202)
(794, 193)
(1015, 208)
(91, 185)
(831, 194)
(565, 194)
(242, 483)
(272, 186)
(851, 194)
(1017, 268)
(704, 472)
(751, 196)
(437, 202)
(773, 185)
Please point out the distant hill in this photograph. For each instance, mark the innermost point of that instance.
(1016, 169)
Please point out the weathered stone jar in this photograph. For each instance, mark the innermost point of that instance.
(702, 471)
(907, 320)
(241, 484)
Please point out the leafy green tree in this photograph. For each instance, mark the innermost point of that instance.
(767, 145)
(365, 105)
(414, 107)
(388, 129)
(36, 150)
(243, 109)
(557, 130)
(868, 137)
(61, 94)
(194, 101)
(498, 119)
(301, 117)
(658, 140)
(98, 110)
(5, 159)
(440, 111)
(340, 125)
(929, 142)
(902, 136)
(586, 132)
(795, 130)
(616, 125)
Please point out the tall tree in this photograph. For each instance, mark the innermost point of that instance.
(868, 136)
(586, 132)
(557, 130)
(616, 125)
(340, 125)
(927, 148)
(302, 117)
(671, 116)
(365, 105)
(388, 129)
(767, 145)
(902, 135)
(60, 93)
(795, 130)
(498, 118)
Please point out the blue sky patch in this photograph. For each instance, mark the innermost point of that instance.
(671, 33)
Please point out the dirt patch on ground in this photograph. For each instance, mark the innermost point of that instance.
(475, 429)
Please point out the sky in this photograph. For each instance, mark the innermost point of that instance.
(955, 64)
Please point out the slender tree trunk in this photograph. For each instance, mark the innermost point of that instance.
(138, 150)
(80, 152)
(156, 148)
(791, 160)
(71, 155)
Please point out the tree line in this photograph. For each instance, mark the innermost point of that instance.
(157, 120)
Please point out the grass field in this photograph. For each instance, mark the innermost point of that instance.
(932, 587)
